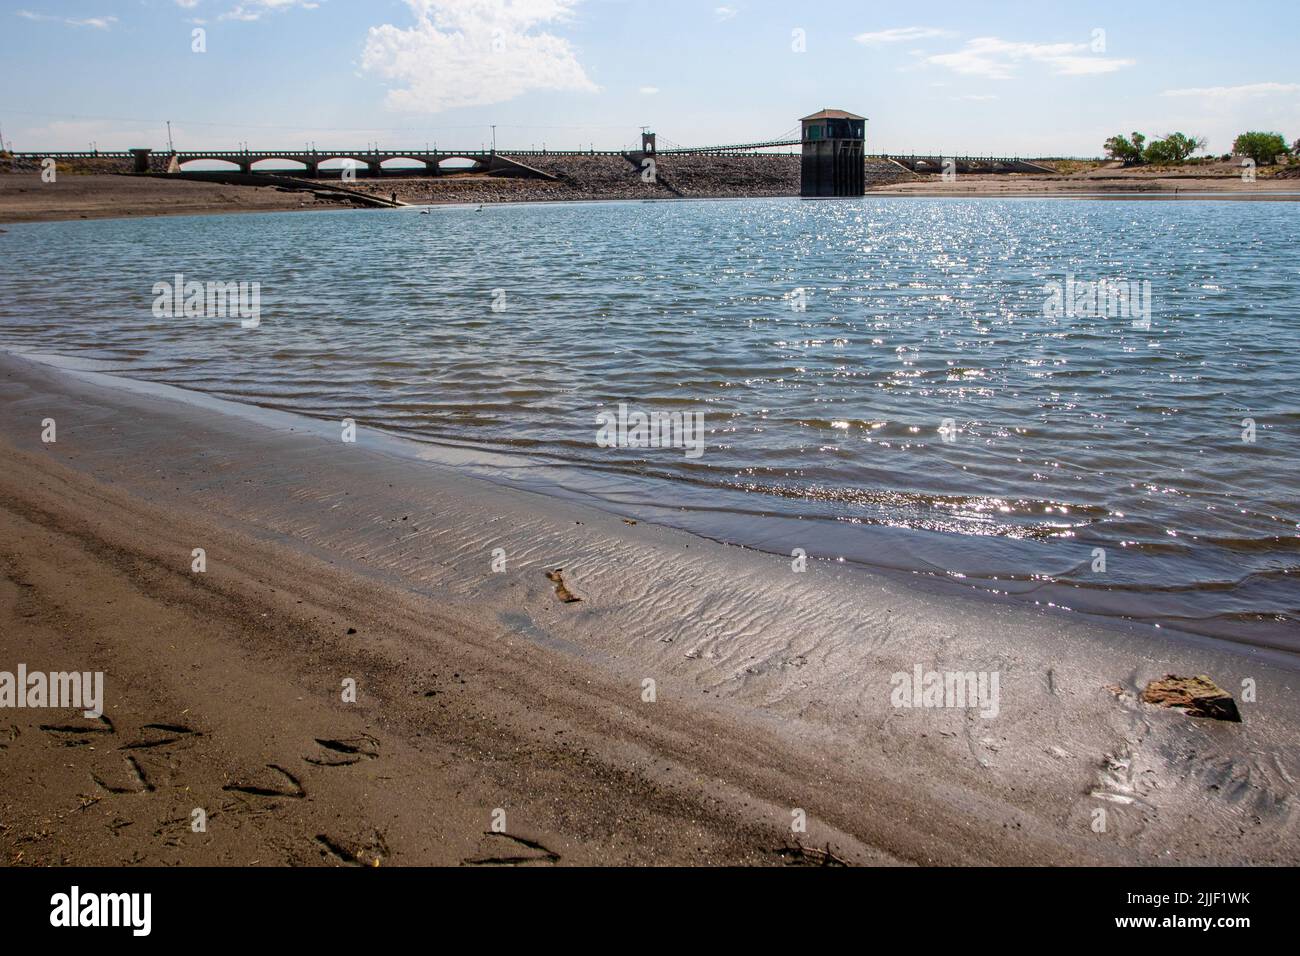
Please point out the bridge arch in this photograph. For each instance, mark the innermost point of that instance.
(285, 163)
(339, 162)
(453, 162)
(209, 163)
(404, 162)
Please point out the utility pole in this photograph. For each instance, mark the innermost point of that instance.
(171, 148)
(494, 138)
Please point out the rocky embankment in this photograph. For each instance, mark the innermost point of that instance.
(81, 166)
(613, 177)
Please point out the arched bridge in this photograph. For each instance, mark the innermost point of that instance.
(364, 163)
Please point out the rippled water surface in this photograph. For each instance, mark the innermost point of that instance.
(824, 428)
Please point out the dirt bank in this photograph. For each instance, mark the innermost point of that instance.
(24, 197)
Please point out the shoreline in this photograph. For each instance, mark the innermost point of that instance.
(24, 199)
(773, 688)
(542, 474)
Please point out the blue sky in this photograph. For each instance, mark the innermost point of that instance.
(1026, 78)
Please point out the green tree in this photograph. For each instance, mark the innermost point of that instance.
(1263, 148)
(1174, 148)
(1182, 146)
(1159, 152)
(1130, 151)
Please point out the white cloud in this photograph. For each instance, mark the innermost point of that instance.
(997, 59)
(649, 90)
(976, 97)
(473, 53)
(256, 9)
(724, 13)
(98, 23)
(902, 35)
(1236, 92)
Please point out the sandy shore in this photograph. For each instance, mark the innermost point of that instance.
(25, 198)
(480, 691)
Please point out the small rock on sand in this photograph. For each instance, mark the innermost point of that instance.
(561, 589)
(1198, 696)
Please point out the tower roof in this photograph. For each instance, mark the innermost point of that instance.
(833, 114)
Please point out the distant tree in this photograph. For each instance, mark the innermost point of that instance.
(1160, 152)
(1129, 150)
(1181, 146)
(1174, 148)
(1263, 148)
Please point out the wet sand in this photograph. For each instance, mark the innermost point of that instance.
(480, 691)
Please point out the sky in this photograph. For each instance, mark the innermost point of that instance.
(971, 78)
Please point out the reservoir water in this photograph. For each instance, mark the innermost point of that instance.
(1091, 405)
